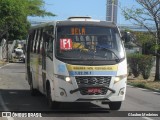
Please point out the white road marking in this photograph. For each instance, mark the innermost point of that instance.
(10, 118)
(147, 118)
(129, 85)
(142, 89)
(157, 93)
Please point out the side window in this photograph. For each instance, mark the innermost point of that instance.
(30, 40)
(50, 48)
(39, 40)
(49, 38)
(34, 41)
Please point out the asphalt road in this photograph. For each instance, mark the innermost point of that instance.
(15, 96)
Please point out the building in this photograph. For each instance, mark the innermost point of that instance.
(111, 10)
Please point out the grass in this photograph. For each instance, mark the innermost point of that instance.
(148, 84)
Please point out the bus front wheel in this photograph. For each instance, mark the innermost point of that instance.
(51, 104)
(115, 105)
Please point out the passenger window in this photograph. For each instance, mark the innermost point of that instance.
(35, 41)
(39, 41)
(31, 40)
(50, 48)
(48, 36)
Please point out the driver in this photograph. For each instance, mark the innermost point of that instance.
(103, 42)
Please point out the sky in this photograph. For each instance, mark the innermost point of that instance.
(94, 8)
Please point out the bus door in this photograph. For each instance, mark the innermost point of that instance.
(39, 52)
(47, 53)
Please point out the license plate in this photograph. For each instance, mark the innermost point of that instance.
(94, 90)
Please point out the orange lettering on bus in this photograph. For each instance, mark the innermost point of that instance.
(78, 31)
(83, 31)
(72, 31)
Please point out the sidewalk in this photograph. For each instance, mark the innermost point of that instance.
(2, 63)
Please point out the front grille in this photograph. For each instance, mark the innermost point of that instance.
(93, 81)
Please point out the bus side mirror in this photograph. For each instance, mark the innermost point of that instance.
(126, 37)
(122, 38)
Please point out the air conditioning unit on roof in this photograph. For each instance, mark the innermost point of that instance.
(80, 18)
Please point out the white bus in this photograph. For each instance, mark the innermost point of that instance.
(77, 60)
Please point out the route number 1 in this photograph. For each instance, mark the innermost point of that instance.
(66, 44)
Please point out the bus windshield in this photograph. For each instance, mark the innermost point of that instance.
(88, 43)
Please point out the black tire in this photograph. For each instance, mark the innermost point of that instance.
(115, 105)
(51, 104)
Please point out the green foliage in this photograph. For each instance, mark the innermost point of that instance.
(145, 65)
(133, 61)
(10, 13)
(146, 41)
(140, 85)
(140, 64)
(128, 45)
(149, 84)
(13, 22)
(147, 13)
(144, 37)
(34, 8)
(149, 48)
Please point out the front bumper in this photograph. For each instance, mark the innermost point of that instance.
(67, 92)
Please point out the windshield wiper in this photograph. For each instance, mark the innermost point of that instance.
(112, 51)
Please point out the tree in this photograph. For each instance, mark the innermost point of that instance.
(13, 21)
(146, 42)
(148, 13)
(34, 8)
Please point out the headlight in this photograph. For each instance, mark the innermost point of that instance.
(119, 78)
(68, 79)
(65, 78)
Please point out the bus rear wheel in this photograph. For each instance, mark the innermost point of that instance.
(115, 105)
(51, 104)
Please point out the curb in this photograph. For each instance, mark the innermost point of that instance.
(154, 90)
